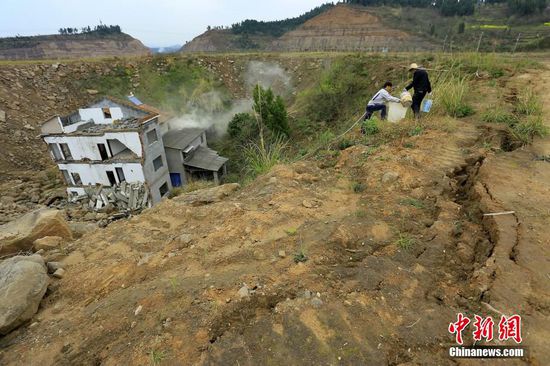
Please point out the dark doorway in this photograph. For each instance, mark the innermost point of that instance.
(103, 151)
(66, 151)
(120, 174)
(111, 176)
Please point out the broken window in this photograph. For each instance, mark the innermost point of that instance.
(66, 152)
(76, 179)
(55, 152)
(120, 174)
(103, 151)
(157, 163)
(107, 113)
(163, 189)
(152, 137)
(111, 177)
(66, 177)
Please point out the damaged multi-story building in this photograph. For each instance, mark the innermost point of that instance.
(116, 152)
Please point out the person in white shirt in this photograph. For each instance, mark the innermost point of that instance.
(378, 102)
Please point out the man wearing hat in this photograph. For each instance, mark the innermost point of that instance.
(421, 85)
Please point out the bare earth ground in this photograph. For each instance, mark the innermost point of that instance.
(360, 298)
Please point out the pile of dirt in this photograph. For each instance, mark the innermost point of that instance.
(79, 46)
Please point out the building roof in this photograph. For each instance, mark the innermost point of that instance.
(180, 139)
(205, 158)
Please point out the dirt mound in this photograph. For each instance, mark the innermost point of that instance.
(70, 47)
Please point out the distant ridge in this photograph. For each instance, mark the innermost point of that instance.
(73, 46)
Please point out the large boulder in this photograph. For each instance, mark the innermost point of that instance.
(18, 235)
(23, 283)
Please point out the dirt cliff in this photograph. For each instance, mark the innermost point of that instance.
(70, 47)
(341, 28)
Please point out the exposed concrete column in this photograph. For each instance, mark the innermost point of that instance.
(216, 180)
(224, 169)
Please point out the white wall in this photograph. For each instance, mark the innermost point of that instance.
(92, 174)
(85, 147)
(96, 114)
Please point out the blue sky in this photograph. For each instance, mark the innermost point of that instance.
(154, 22)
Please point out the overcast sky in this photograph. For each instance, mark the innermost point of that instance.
(154, 22)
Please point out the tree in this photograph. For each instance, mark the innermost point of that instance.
(272, 111)
(242, 126)
(526, 7)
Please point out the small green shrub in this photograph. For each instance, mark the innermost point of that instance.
(359, 187)
(405, 242)
(416, 131)
(291, 231)
(412, 202)
(361, 213)
(344, 144)
(157, 357)
(370, 127)
(300, 257)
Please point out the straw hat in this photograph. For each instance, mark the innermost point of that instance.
(413, 67)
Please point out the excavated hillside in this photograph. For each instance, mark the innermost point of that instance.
(341, 28)
(347, 28)
(80, 46)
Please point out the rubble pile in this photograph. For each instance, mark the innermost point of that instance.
(123, 197)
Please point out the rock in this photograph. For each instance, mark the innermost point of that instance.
(138, 310)
(19, 235)
(316, 302)
(92, 91)
(185, 238)
(208, 195)
(282, 253)
(47, 243)
(390, 177)
(2, 116)
(54, 266)
(59, 273)
(307, 294)
(80, 228)
(244, 292)
(309, 204)
(23, 283)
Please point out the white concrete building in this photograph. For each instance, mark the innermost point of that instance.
(107, 143)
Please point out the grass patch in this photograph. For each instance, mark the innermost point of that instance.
(260, 158)
(523, 132)
(499, 116)
(191, 187)
(157, 356)
(528, 103)
(292, 231)
(344, 144)
(359, 187)
(416, 131)
(360, 213)
(451, 94)
(412, 202)
(405, 242)
(300, 257)
(370, 127)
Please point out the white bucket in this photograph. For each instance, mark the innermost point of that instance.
(396, 112)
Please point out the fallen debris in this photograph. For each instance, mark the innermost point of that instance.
(123, 197)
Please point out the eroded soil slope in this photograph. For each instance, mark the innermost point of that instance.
(364, 258)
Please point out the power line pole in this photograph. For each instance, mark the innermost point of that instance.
(516, 45)
(479, 42)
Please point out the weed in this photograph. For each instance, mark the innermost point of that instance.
(405, 242)
(495, 115)
(261, 158)
(524, 132)
(409, 145)
(412, 202)
(452, 96)
(326, 138)
(344, 144)
(292, 231)
(300, 257)
(528, 103)
(191, 186)
(416, 131)
(359, 187)
(157, 356)
(360, 213)
(370, 127)
(173, 284)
